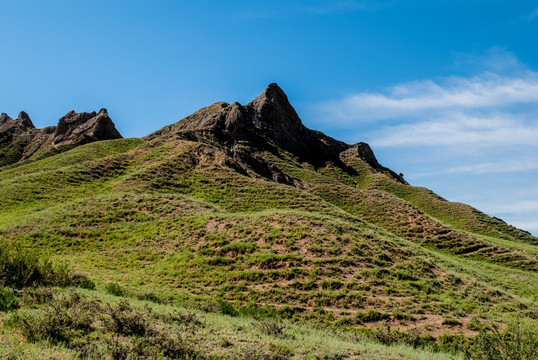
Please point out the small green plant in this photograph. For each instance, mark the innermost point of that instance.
(371, 316)
(150, 296)
(124, 320)
(115, 289)
(227, 308)
(271, 328)
(450, 321)
(85, 283)
(21, 268)
(518, 341)
(8, 300)
(63, 320)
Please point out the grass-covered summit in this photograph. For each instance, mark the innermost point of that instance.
(243, 210)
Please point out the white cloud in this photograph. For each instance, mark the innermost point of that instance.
(420, 98)
(460, 134)
(511, 208)
(506, 166)
(463, 129)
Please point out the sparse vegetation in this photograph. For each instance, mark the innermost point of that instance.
(195, 253)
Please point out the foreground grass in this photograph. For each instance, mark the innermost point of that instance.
(98, 325)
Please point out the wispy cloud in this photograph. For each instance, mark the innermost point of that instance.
(463, 129)
(460, 130)
(485, 91)
(506, 166)
(482, 111)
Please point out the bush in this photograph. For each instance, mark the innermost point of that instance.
(115, 289)
(21, 268)
(450, 321)
(85, 283)
(82, 325)
(124, 320)
(63, 320)
(371, 316)
(518, 341)
(8, 300)
(151, 297)
(227, 309)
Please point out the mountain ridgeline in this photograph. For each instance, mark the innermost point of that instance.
(244, 204)
(20, 140)
(268, 123)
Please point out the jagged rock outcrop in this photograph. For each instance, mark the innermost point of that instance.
(20, 139)
(81, 128)
(267, 123)
(18, 126)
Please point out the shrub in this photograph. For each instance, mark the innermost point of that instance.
(371, 316)
(115, 289)
(21, 268)
(412, 337)
(124, 320)
(451, 321)
(63, 320)
(150, 296)
(85, 283)
(183, 317)
(518, 341)
(271, 328)
(227, 309)
(330, 284)
(8, 300)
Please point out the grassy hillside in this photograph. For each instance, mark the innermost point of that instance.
(239, 233)
(189, 224)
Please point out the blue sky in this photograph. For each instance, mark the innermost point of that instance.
(444, 91)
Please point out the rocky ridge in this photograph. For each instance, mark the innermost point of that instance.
(21, 140)
(267, 123)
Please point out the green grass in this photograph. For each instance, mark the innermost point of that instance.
(176, 224)
(90, 324)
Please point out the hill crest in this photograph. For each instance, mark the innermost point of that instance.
(21, 140)
(267, 123)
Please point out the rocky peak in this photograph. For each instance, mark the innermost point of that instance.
(3, 118)
(81, 128)
(24, 141)
(364, 151)
(18, 126)
(273, 108)
(25, 120)
(267, 123)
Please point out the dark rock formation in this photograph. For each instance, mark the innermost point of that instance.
(268, 123)
(19, 139)
(81, 128)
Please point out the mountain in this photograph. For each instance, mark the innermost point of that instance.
(20, 140)
(242, 209)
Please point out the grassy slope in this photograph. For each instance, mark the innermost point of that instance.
(204, 335)
(175, 219)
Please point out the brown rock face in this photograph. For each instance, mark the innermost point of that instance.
(19, 139)
(81, 128)
(267, 123)
(18, 126)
